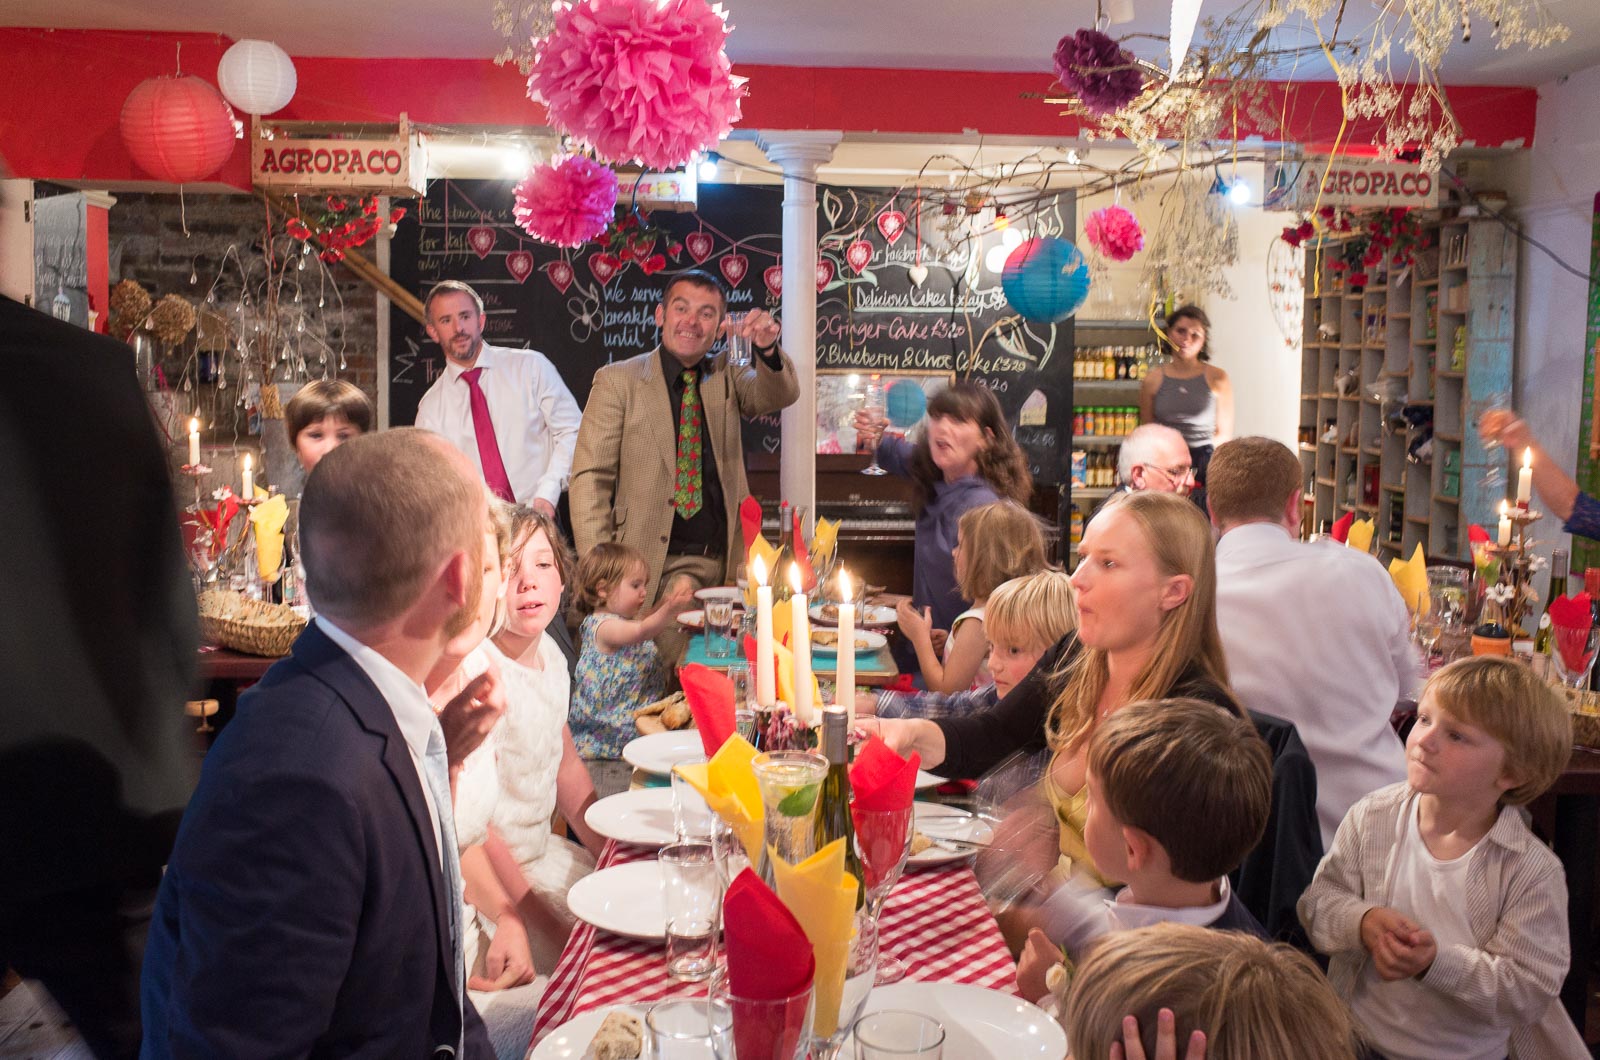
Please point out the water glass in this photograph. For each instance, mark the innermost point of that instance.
(766, 1028)
(692, 819)
(893, 1034)
(720, 629)
(690, 1030)
(790, 783)
(694, 902)
(738, 345)
(1572, 653)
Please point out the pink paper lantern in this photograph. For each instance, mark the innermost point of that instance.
(178, 129)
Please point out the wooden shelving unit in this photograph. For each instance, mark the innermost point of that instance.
(1405, 328)
(1090, 393)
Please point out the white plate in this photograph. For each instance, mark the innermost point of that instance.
(869, 616)
(692, 619)
(570, 1041)
(978, 1024)
(871, 641)
(721, 592)
(660, 751)
(938, 821)
(642, 816)
(927, 780)
(628, 900)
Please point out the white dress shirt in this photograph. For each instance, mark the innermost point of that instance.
(535, 418)
(409, 702)
(1318, 635)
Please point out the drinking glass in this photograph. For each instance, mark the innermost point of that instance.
(893, 1034)
(690, 1030)
(829, 1030)
(1573, 653)
(790, 783)
(738, 345)
(883, 842)
(720, 629)
(692, 819)
(872, 403)
(765, 1028)
(694, 902)
(1429, 628)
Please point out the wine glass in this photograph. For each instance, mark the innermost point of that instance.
(1430, 626)
(1573, 654)
(860, 976)
(872, 403)
(882, 842)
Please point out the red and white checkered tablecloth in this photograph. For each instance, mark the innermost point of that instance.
(935, 920)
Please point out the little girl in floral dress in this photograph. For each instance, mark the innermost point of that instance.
(619, 669)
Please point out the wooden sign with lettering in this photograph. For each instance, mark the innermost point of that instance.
(395, 165)
(1353, 183)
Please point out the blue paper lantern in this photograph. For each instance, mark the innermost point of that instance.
(906, 404)
(1046, 279)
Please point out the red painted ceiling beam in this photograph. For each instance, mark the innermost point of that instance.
(61, 93)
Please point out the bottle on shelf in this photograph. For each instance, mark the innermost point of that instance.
(1544, 639)
(781, 587)
(833, 802)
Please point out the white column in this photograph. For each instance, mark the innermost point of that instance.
(16, 240)
(799, 153)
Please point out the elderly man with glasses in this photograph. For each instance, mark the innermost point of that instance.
(1153, 457)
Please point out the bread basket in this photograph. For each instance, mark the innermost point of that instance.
(251, 626)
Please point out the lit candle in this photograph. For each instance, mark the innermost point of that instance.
(844, 692)
(194, 442)
(766, 666)
(1525, 479)
(249, 478)
(1505, 526)
(800, 623)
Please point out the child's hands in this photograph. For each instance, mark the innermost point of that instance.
(866, 704)
(509, 961)
(678, 598)
(1132, 1046)
(916, 625)
(1400, 948)
(1038, 954)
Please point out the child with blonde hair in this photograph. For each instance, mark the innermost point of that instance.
(619, 668)
(994, 543)
(1445, 919)
(1024, 618)
(1223, 995)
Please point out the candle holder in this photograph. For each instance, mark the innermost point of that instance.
(1511, 592)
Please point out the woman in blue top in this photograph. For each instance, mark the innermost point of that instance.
(1579, 513)
(965, 458)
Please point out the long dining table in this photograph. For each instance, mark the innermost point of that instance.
(935, 920)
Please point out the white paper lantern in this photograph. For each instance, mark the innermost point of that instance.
(257, 76)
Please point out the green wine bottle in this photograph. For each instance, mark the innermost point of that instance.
(833, 804)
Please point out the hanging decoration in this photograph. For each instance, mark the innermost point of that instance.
(641, 81)
(632, 239)
(257, 76)
(339, 222)
(1194, 244)
(178, 129)
(1098, 71)
(1046, 279)
(172, 318)
(130, 305)
(566, 203)
(1185, 17)
(522, 24)
(1114, 232)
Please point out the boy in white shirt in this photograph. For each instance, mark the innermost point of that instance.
(1444, 917)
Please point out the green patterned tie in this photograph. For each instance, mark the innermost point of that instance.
(686, 495)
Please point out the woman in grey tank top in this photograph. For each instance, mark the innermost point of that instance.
(1188, 394)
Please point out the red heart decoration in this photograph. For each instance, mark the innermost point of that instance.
(858, 255)
(699, 244)
(520, 264)
(481, 239)
(642, 248)
(604, 266)
(734, 267)
(560, 273)
(824, 273)
(773, 276)
(892, 223)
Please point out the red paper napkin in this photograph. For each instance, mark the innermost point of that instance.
(1572, 620)
(710, 696)
(808, 577)
(881, 779)
(750, 522)
(1341, 528)
(1477, 535)
(769, 958)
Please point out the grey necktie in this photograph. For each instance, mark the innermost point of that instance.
(436, 768)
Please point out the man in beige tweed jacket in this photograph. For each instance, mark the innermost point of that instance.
(623, 470)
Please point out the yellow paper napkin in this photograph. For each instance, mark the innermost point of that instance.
(1411, 578)
(823, 541)
(1360, 536)
(728, 784)
(822, 896)
(267, 518)
(769, 558)
(785, 659)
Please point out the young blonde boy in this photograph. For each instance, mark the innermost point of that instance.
(1023, 619)
(1445, 919)
(1179, 793)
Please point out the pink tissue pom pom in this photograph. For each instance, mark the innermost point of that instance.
(637, 79)
(1114, 232)
(567, 203)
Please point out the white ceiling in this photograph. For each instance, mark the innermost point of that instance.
(1016, 35)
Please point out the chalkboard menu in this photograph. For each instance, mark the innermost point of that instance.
(903, 290)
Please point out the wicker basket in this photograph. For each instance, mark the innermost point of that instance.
(1585, 708)
(246, 625)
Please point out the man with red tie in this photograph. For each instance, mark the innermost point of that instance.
(506, 409)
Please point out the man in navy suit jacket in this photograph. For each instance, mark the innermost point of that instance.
(306, 910)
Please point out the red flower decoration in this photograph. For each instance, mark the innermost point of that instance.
(653, 264)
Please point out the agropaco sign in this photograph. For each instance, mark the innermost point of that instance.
(1354, 183)
(394, 165)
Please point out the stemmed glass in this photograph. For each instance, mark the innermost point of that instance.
(873, 405)
(860, 976)
(1429, 626)
(1574, 653)
(883, 842)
